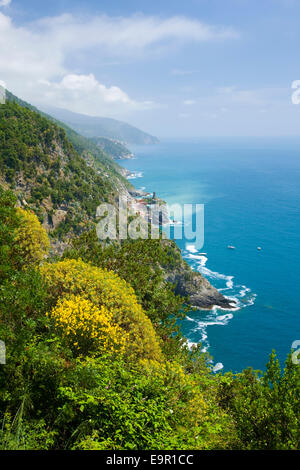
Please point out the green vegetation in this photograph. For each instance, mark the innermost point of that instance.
(89, 126)
(40, 163)
(94, 354)
(94, 364)
(147, 277)
(112, 147)
(87, 148)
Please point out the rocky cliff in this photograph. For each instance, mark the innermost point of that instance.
(191, 284)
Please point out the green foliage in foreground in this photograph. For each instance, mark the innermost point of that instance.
(53, 399)
(140, 263)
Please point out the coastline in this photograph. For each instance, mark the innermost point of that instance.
(187, 282)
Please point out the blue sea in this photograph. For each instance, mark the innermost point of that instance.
(250, 188)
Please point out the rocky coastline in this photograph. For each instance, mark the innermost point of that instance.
(187, 283)
(200, 293)
(192, 285)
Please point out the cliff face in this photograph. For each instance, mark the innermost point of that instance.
(200, 292)
(188, 283)
(113, 147)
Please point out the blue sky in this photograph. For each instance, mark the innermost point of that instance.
(177, 69)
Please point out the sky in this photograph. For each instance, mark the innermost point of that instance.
(192, 68)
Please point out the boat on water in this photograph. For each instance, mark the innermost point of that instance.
(231, 247)
(259, 248)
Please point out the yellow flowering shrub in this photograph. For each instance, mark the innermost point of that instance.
(105, 288)
(87, 327)
(31, 239)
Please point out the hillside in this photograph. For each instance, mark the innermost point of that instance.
(90, 363)
(91, 126)
(62, 184)
(94, 358)
(82, 144)
(63, 177)
(113, 148)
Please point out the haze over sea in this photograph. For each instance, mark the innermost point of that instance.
(251, 191)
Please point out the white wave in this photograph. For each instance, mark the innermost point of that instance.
(201, 258)
(191, 248)
(189, 318)
(244, 291)
(134, 175)
(228, 316)
(215, 275)
(203, 261)
(240, 296)
(217, 367)
(191, 344)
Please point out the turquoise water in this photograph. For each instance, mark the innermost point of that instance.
(251, 192)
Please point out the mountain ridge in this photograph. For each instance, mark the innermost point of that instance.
(96, 126)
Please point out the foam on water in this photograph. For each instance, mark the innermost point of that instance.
(218, 367)
(135, 174)
(242, 208)
(191, 248)
(240, 295)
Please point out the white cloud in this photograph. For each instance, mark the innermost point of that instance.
(130, 34)
(83, 93)
(4, 3)
(189, 102)
(88, 83)
(35, 59)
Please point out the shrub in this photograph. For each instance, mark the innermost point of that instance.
(105, 288)
(146, 406)
(31, 239)
(87, 328)
(149, 405)
(265, 406)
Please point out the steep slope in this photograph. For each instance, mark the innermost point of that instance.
(44, 169)
(91, 126)
(85, 147)
(114, 148)
(63, 177)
